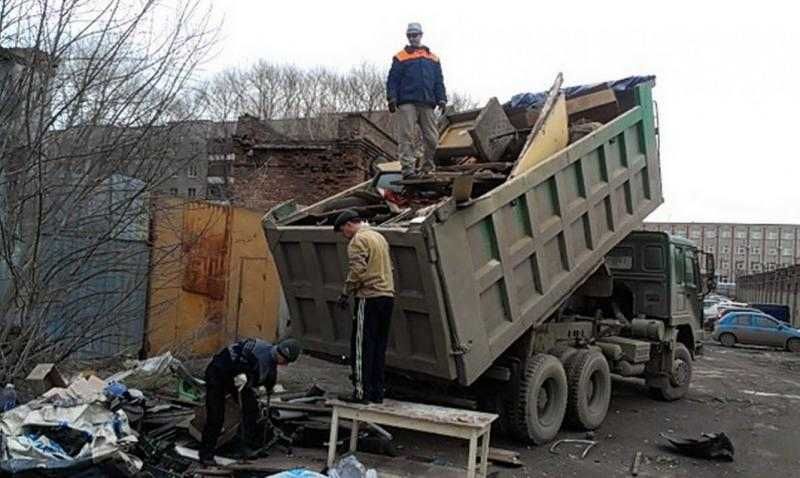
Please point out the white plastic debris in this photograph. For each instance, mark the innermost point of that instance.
(350, 467)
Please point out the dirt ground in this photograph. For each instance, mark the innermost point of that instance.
(751, 394)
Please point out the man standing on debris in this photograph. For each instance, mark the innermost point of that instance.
(414, 88)
(239, 369)
(370, 280)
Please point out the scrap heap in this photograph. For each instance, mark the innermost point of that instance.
(481, 149)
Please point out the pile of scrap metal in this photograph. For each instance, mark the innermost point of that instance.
(481, 149)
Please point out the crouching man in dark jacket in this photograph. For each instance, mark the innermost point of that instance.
(239, 369)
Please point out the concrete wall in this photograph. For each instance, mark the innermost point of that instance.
(781, 286)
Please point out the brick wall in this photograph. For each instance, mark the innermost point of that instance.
(305, 175)
(272, 167)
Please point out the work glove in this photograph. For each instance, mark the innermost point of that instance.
(343, 302)
(392, 106)
(240, 381)
(442, 106)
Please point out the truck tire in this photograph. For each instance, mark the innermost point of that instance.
(541, 403)
(589, 380)
(680, 377)
(728, 340)
(793, 345)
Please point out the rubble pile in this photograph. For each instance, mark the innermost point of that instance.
(147, 420)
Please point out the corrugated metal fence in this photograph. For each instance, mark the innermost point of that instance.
(781, 286)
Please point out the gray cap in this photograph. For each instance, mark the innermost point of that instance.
(346, 216)
(289, 349)
(414, 28)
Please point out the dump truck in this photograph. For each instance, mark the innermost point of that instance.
(528, 295)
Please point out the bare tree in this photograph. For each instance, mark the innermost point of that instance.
(93, 99)
(275, 91)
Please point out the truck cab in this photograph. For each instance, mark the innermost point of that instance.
(659, 276)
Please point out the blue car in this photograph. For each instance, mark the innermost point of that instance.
(755, 328)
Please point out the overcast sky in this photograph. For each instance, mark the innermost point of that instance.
(727, 75)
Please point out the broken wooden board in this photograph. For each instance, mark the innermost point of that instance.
(590, 100)
(504, 457)
(549, 135)
(481, 134)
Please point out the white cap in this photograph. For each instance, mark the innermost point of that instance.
(414, 28)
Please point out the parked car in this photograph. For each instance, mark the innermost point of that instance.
(756, 328)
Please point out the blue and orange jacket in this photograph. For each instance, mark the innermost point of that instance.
(416, 77)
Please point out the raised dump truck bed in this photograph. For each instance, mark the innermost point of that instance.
(473, 279)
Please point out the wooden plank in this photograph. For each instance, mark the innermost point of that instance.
(590, 100)
(506, 457)
(549, 135)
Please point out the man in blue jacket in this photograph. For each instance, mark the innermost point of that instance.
(237, 370)
(414, 88)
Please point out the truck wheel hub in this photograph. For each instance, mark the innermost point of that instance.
(542, 399)
(680, 373)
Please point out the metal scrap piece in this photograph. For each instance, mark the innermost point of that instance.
(589, 444)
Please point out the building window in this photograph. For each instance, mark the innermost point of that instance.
(724, 265)
(695, 234)
(755, 267)
(755, 250)
(739, 265)
(711, 234)
(787, 236)
(725, 249)
(741, 250)
(755, 234)
(192, 192)
(787, 251)
(725, 234)
(772, 235)
(192, 170)
(741, 234)
(173, 191)
(710, 249)
(773, 251)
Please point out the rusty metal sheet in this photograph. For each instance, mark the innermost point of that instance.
(213, 279)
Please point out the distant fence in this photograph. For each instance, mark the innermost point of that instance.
(781, 286)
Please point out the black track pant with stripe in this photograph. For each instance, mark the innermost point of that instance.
(370, 336)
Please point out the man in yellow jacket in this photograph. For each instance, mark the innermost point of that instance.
(370, 280)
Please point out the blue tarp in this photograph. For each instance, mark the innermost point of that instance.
(527, 100)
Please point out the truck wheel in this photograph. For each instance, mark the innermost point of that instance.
(793, 345)
(542, 400)
(728, 340)
(589, 380)
(679, 378)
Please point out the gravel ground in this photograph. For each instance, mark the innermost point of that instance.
(751, 394)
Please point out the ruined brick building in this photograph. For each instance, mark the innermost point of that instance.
(305, 159)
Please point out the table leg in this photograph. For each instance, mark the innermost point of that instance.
(354, 436)
(333, 437)
(471, 459)
(485, 452)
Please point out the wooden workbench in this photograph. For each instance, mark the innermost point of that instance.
(466, 424)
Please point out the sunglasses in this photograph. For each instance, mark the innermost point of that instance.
(413, 35)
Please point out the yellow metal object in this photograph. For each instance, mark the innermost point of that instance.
(549, 135)
(212, 279)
